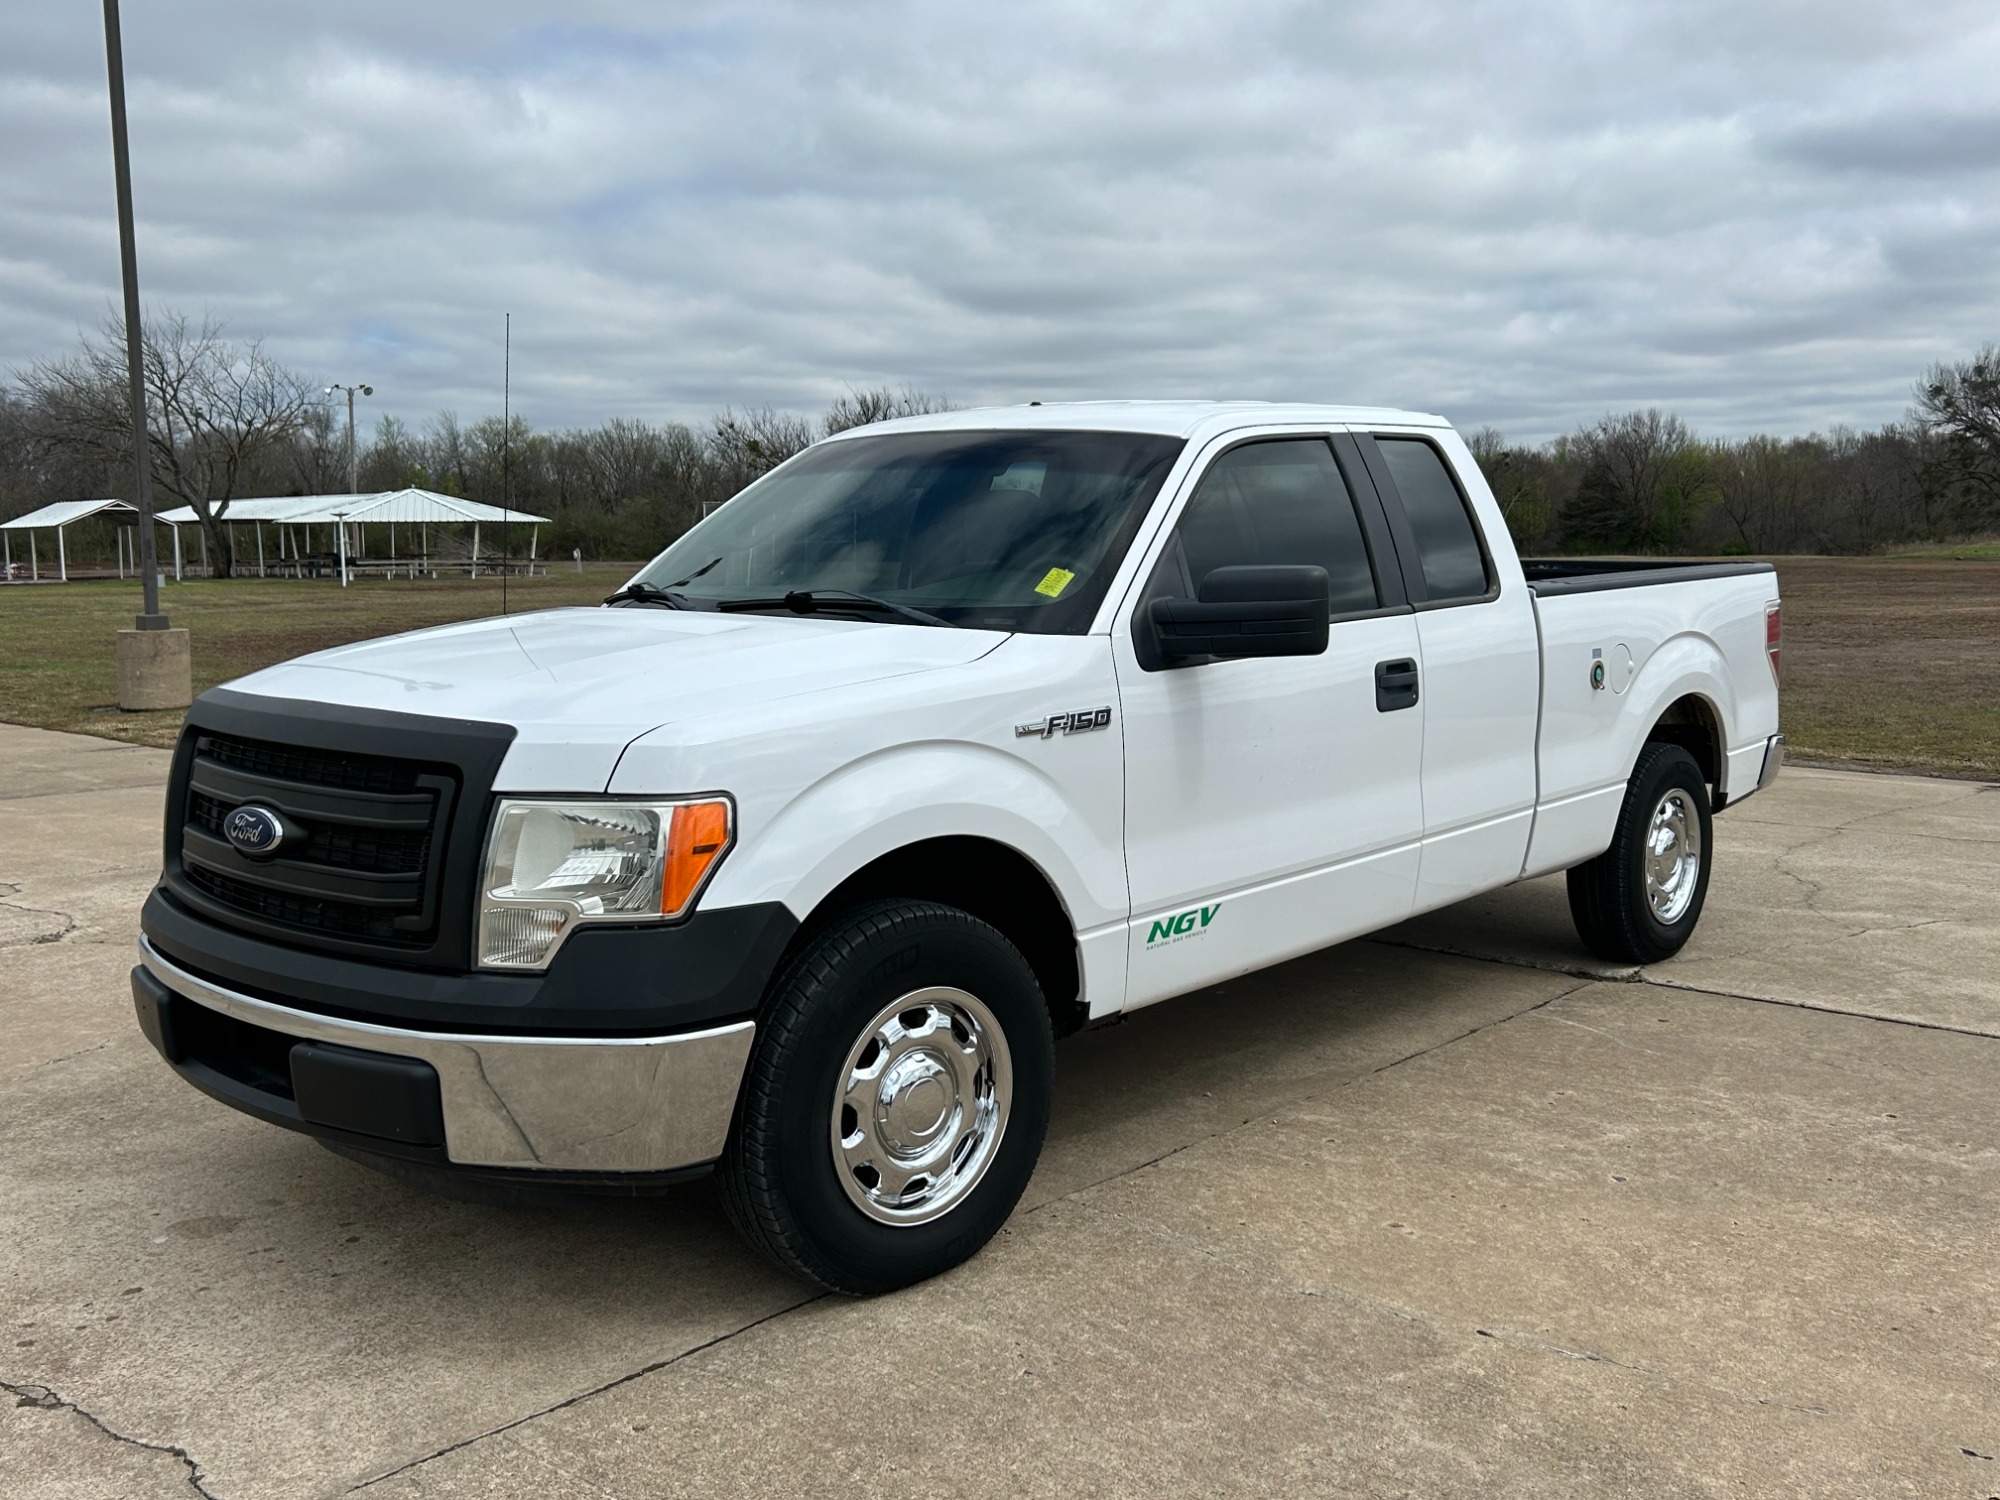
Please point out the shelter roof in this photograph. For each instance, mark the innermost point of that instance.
(62, 513)
(406, 506)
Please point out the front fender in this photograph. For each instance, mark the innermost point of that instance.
(798, 852)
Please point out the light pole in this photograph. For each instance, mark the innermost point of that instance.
(353, 484)
(153, 659)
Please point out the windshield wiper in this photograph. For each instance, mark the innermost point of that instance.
(834, 601)
(646, 593)
(679, 582)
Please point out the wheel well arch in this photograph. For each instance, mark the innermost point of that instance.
(1692, 722)
(987, 879)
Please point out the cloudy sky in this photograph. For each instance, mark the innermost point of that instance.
(1763, 215)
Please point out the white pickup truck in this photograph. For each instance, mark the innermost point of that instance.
(943, 740)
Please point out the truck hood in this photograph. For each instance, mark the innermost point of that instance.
(578, 685)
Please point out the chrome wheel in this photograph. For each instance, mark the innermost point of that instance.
(921, 1105)
(1673, 857)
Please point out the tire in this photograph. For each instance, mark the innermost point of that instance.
(1628, 906)
(908, 1010)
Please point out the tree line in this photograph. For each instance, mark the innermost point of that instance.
(226, 420)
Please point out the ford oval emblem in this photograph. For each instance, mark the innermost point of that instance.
(254, 830)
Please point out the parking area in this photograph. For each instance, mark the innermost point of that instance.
(1452, 1211)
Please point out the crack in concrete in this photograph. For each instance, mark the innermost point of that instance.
(1647, 977)
(50, 1062)
(1578, 970)
(658, 1365)
(1347, 1083)
(598, 1390)
(1534, 1345)
(1368, 1302)
(43, 1398)
(1616, 1041)
(1824, 1007)
(70, 925)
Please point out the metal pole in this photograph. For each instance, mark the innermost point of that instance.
(340, 529)
(62, 557)
(353, 484)
(135, 366)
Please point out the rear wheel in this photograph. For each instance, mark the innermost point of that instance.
(1639, 901)
(896, 1100)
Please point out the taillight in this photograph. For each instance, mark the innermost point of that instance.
(1774, 633)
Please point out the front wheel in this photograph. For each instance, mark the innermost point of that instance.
(896, 1100)
(1638, 901)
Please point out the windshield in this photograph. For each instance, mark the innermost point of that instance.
(994, 530)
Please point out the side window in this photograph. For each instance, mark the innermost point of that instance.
(1454, 567)
(1275, 502)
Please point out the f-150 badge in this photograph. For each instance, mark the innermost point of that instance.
(1070, 723)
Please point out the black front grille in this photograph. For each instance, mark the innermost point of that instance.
(308, 767)
(337, 917)
(378, 852)
(356, 864)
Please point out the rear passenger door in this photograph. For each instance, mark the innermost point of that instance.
(1272, 805)
(1480, 661)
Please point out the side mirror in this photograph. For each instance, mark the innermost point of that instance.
(1250, 611)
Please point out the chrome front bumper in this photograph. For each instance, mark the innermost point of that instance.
(638, 1104)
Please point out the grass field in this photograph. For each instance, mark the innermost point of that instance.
(56, 667)
(1889, 662)
(1893, 662)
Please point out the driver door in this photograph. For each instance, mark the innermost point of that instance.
(1274, 805)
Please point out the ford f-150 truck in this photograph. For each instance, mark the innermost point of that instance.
(946, 738)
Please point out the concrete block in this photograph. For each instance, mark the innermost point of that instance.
(155, 669)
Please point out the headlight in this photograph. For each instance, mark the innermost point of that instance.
(551, 865)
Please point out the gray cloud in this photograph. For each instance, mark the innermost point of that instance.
(1764, 215)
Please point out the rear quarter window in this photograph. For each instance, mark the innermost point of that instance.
(1447, 543)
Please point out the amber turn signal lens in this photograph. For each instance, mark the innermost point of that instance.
(695, 840)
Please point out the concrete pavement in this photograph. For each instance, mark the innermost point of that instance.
(1453, 1211)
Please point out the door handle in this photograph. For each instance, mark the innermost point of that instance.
(1395, 685)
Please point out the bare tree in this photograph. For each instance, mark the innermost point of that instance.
(214, 410)
(878, 404)
(1643, 482)
(1960, 404)
(750, 444)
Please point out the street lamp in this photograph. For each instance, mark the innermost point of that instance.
(353, 484)
(153, 659)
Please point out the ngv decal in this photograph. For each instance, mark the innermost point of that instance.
(1076, 722)
(1190, 923)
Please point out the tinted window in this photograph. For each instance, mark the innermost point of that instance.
(998, 530)
(1449, 547)
(1281, 502)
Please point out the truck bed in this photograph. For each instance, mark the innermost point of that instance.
(1588, 575)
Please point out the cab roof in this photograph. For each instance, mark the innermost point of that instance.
(1184, 419)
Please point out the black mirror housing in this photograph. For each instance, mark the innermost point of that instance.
(1246, 611)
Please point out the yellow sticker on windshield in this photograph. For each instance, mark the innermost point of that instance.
(1055, 581)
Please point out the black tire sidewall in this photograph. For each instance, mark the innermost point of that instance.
(1668, 768)
(936, 947)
